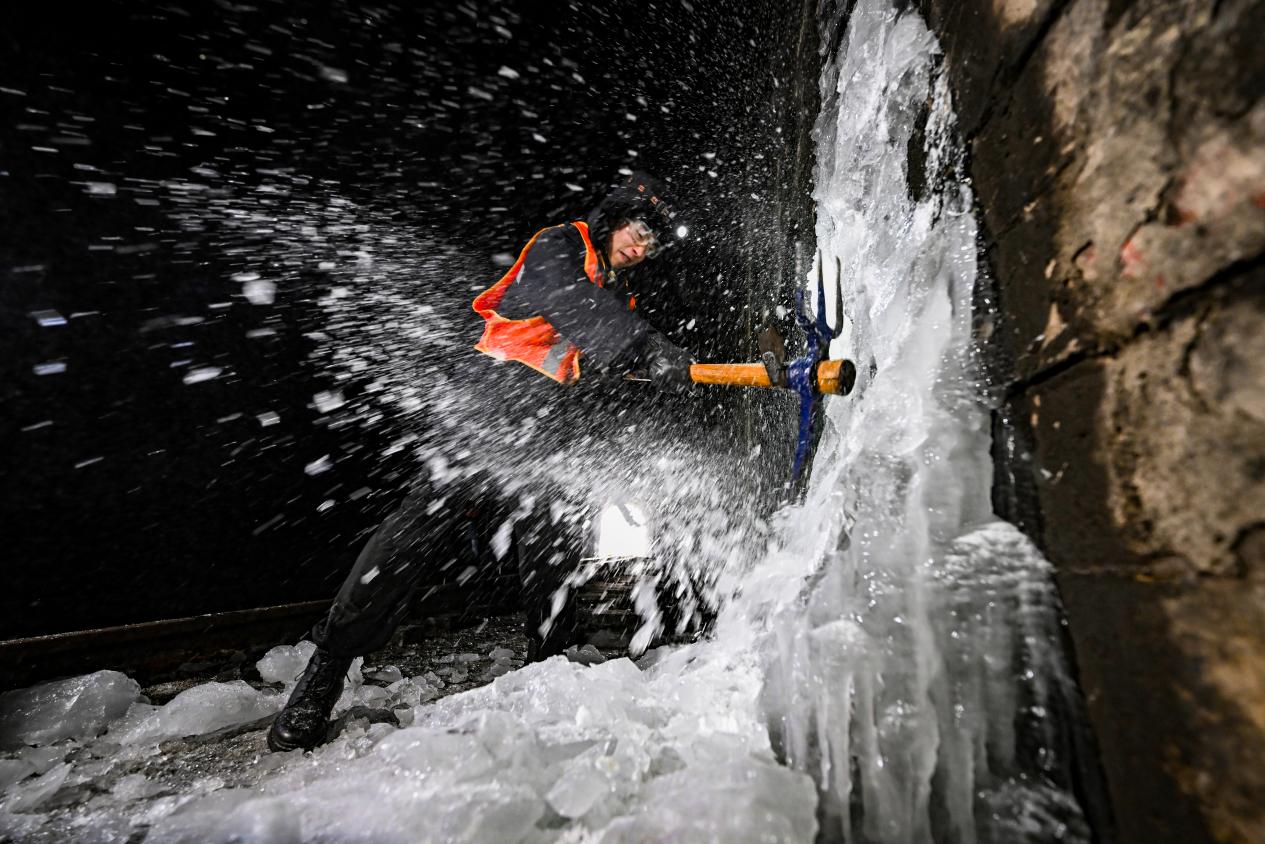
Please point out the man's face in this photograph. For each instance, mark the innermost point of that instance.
(629, 245)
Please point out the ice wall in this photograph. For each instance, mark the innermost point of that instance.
(910, 643)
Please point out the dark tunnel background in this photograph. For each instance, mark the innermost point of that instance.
(130, 495)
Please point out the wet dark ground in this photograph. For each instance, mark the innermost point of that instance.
(414, 650)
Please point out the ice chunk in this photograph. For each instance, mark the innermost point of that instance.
(646, 633)
(454, 756)
(14, 770)
(19, 827)
(87, 771)
(622, 670)
(653, 656)
(204, 709)
(284, 663)
(500, 733)
(559, 743)
(497, 669)
(386, 674)
(354, 674)
(205, 785)
(748, 800)
(503, 537)
(375, 808)
(548, 691)
(27, 796)
(136, 714)
(489, 812)
(371, 696)
(411, 692)
(76, 708)
(43, 758)
(134, 787)
(502, 654)
(327, 401)
(202, 373)
(217, 819)
(582, 785)
(260, 291)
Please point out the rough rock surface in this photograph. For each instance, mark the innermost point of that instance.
(1118, 154)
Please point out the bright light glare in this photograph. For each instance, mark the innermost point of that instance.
(623, 531)
(682, 231)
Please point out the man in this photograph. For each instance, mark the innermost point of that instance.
(561, 309)
(563, 300)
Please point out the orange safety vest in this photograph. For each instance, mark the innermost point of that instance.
(532, 341)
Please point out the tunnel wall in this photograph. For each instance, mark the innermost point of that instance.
(1118, 158)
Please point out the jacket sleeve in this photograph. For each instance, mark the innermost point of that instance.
(552, 284)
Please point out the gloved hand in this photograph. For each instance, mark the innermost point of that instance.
(667, 364)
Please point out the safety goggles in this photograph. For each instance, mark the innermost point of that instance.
(644, 237)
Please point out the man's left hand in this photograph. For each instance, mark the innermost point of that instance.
(668, 364)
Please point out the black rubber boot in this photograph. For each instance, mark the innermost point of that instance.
(305, 720)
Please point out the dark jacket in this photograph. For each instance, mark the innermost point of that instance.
(553, 284)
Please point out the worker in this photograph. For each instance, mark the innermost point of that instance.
(564, 310)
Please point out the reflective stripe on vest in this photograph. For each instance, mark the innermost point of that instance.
(532, 341)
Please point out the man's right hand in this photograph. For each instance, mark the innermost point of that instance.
(667, 364)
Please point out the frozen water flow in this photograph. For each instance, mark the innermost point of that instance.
(887, 670)
(911, 644)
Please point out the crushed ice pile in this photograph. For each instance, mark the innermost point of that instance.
(546, 752)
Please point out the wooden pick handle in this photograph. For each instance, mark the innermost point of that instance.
(835, 377)
(733, 374)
